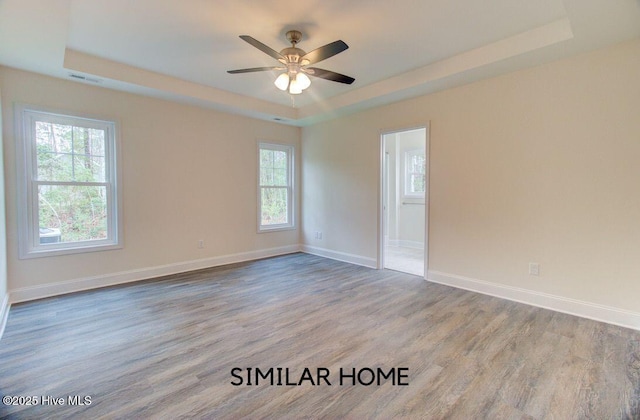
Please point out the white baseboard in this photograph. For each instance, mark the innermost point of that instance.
(4, 313)
(608, 314)
(47, 290)
(575, 307)
(340, 256)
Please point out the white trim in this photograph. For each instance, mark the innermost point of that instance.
(382, 183)
(4, 313)
(87, 283)
(427, 194)
(340, 256)
(597, 312)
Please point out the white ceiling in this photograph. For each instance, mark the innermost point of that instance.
(181, 50)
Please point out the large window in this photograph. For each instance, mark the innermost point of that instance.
(68, 195)
(275, 187)
(415, 174)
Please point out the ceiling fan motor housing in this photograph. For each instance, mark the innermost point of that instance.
(292, 54)
(294, 37)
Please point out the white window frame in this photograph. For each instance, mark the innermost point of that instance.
(290, 150)
(29, 245)
(408, 155)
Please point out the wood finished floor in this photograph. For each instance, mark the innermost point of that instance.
(165, 349)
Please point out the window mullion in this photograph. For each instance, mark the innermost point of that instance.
(73, 183)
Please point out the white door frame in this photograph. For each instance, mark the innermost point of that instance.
(381, 194)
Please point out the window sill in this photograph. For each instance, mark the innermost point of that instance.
(53, 252)
(276, 228)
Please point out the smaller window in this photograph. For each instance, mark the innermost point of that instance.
(415, 174)
(275, 187)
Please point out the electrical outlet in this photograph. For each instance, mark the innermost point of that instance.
(319, 235)
(201, 244)
(534, 269)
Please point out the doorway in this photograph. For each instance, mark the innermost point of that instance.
(404, 201)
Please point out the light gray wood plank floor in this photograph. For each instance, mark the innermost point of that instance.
(165, 349)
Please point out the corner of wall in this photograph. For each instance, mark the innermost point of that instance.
(339, 256)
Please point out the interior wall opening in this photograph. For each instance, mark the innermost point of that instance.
(405, 181)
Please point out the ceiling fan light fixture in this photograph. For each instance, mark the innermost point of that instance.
(282, 82)
(295, 88)
(303, 80)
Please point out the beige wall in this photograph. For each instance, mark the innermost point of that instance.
(535, 166)
(188, 174)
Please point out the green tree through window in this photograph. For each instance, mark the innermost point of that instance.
(275, 185)
(71, 154)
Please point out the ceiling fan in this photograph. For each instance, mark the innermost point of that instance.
(295, 63)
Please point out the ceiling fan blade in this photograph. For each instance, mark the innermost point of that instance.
(330, 75)
(254, 69)
(262, 47)
(325, 52)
